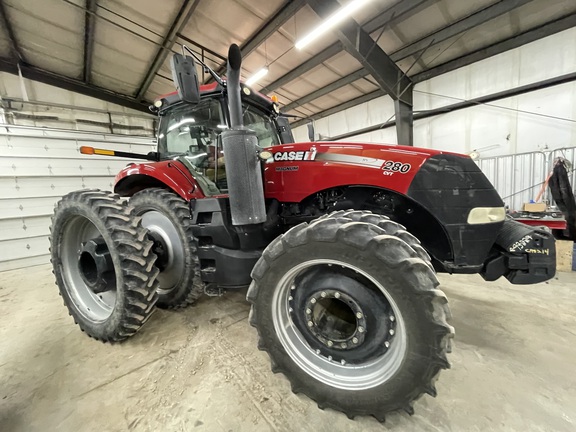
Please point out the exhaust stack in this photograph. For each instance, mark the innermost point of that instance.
(240, 145)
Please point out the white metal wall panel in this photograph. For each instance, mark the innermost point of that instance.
(37, 167)
(534, 121)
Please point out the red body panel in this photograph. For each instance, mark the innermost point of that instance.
(172, 173)
(340, 164)
(332, 165)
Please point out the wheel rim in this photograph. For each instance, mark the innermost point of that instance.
(165, 235)
(94, 306)
(324, 368)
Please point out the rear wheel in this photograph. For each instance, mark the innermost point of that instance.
(103, 263)
(166, 216)
(351, 314)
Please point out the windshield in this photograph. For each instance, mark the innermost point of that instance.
(264, 126)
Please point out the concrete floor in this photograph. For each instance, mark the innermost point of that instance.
(514, 367)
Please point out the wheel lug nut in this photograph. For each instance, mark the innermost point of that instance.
(359, 315)
(290, 298)
(330, 343)
(392, 318)
(391, 331)
(318, 352)
(355, 340)
(343, 345)
(313, 301)
(293, 287)
(323, 294)
(343, 362)
(387, 344)
(308, 311)
(310, 323)
(290, 310)
(329, 358)
(360, 329)
(337, 295)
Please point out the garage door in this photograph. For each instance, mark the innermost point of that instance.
(37, 167)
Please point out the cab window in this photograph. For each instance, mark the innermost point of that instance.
(191, 130)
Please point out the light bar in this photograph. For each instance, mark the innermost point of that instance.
(331, 22)
(257, 76)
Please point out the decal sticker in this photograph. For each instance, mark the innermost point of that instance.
(521, 244)
(295, 156)
(538, 251)
(287, 168)
(392, 167)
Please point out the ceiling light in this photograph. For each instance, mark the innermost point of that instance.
(330, 22)
(258, 75)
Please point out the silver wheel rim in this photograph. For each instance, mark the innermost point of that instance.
(341, 376)
(161, 226)
(94, 307)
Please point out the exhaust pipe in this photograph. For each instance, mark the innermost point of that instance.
(240, 145)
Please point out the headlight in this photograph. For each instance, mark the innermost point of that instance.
(485, 215)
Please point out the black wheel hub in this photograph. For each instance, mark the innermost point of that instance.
(96, 266)
(341, 315)
(336, 319)
(160, 248)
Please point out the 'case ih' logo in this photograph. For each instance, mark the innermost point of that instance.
(295, 155)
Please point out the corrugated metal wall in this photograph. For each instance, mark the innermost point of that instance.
(37, 167)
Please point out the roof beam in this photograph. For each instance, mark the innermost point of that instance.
(391, 15)
(89, 25)
(548, 29)
(73, 85)
(359, 44)
(287, 11)
(14, 46)
(349, 79)
(487, 14)
(182, 18)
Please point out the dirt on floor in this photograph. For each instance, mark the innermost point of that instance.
(513, 367)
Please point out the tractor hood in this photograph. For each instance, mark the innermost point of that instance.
(330, 164)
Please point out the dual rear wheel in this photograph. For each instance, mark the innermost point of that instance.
(114, 262)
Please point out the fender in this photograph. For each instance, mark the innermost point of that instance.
(171, 174)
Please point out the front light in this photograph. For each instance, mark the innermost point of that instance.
(486, 215)
(265, 155)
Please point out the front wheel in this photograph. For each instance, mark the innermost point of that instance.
(351, 314)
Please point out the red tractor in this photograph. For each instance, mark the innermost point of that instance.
(339, 243)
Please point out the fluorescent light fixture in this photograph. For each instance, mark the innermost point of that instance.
(257, 76)
(331, 22)
(181, 123)
(222, 126)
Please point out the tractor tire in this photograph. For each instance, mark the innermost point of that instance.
(351, 314)
(103, 264)
(167, 218)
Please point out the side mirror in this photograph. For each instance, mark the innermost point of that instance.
(311, 132)
(185, 78)
(284, 130)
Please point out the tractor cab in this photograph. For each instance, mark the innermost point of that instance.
(191, 132)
